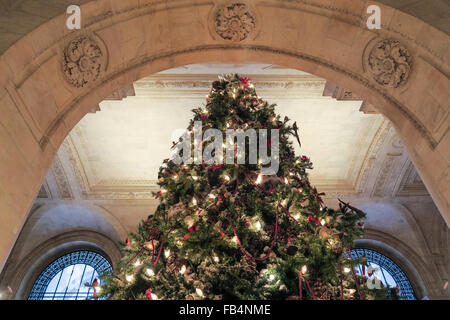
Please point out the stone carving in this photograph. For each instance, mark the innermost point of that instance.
(390, 63)
(234, 22)
(83, 61)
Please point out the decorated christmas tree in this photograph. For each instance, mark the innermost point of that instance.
(240, 229)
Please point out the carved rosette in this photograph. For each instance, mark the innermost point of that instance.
(390, 63)
(234, 22)
(83, 61)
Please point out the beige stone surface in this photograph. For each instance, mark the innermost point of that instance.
(52, 108)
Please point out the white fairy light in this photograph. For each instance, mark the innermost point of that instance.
(304, 269)
(234, 239)
(211, 196)
(352, 291)
(258, 225)
(286, 181)
(163, 190)
(150, 272)
(195, 178)
(297, 216)
(183, 269)
(167, 253)
(137, 263)
(322, 222)
(194, 201)
(129, 277)
(227, 178)
(259, 179)
(347, 269)
(271, 277)
(199, 292)
(175, 177)
(216, 259)
(154, 296)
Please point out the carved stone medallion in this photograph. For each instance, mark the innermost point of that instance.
(234, 22)
(83, 61)
(390, 63)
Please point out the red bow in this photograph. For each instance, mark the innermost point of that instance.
(191, 229)
(245, 81)
(311, 219)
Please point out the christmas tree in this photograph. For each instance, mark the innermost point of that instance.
(228, 231)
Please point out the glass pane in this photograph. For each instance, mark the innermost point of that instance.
(65, 278)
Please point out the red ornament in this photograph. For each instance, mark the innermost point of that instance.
(95, 284)
(127, 242)
(186, 236)
(305, 158)
(148, 294)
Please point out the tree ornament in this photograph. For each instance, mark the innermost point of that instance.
(324, 232)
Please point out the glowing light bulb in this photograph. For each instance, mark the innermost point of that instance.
(286, 180)
(304, 269)
(150, 272)
(211, 196)
(297, 216)
(251, 85)
(163, 190)
(183, 269)
(347, 269)
(129, 277)
(175, 177)
(195, 178)
(291, 174)
(167, 253)
(228, 125)
(258, 225)
(194, 201)
(154, 296)
(352, 291)
(137, 263)
(98, 289)
(199, 292)
(271, 277)
(216, 259)
(227, 178)
(322, 222)
(234, 239)
(259, 179)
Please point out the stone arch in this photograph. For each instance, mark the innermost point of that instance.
(46, 88)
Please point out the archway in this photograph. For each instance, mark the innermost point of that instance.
(52, 77)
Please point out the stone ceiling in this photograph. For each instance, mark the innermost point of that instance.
(19, 17)
(115, 153)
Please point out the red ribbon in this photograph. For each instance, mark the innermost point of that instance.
(300, 284)
(354, 276)
(340, 280)
(271, 246)
(95, 284)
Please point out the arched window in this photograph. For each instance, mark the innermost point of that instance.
(65, 278)
(386, 270)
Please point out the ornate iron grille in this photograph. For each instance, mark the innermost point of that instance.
(65, 278)
(391, 274)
